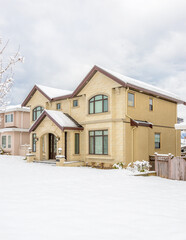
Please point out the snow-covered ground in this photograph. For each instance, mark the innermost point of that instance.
(44, 202)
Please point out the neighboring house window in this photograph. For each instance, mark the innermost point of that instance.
(150, 104)
(131, 99)
(3, 141)
(34, 142)
(157, 140)
(9, 118)
(75, 103)
(98, 104)
(37, 112)
(9, 141)
(76, 143)
(98, 142)
(58, 106)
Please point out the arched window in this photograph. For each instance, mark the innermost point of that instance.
(36, 112)
(98, 104)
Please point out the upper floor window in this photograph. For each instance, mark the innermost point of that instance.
(75, 103)
(150, 104)
(98, 104)
(58, 106)
(131, 99)
(36, 112)
(9, 118)
(157, 140)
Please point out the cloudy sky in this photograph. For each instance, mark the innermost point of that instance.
(62, 39)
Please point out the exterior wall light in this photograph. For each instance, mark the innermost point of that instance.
(57, 139)
(59, 151)
(29, 150)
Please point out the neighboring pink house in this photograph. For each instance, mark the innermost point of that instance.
(14, 127)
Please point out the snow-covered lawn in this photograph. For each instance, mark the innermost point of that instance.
(44, 202)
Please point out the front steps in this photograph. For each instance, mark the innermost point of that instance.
(66, 163)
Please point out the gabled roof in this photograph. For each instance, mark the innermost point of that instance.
(131, 83)
(48, 92)
(62, 120)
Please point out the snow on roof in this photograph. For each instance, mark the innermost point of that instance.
(142, 84)
(12, 108)
(180, 126)
(53, 92)
(61, 118)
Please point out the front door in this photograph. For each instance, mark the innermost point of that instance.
(52, 146)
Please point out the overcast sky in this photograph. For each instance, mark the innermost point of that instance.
(62, 39)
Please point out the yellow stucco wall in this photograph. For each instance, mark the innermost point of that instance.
(124, 144)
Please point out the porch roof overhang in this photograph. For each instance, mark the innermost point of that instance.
(180, 126)
(138, 123)
(60, 119)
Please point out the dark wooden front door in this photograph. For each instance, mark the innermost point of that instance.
(52, 146)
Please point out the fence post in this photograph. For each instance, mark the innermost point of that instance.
(169, 166)
(156, 163)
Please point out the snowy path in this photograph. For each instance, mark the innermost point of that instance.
(43, 202)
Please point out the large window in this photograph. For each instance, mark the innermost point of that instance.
(34, 142)
(9, 118)
(9, 141)
(36, 112)
(157, 140)
(3, 141)
(131, 99)
(76, 143)
(98, 104)
(98, 142)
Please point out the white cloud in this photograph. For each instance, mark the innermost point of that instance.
(62, 39)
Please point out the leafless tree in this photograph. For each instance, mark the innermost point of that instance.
(6, 71)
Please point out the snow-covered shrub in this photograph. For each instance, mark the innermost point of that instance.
(119, 165)
(140, 166)
(1, 151)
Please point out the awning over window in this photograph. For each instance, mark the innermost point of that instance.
(140, 123)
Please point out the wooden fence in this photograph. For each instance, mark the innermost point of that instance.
(168, 166)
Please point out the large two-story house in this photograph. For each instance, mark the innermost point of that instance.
(108, 118)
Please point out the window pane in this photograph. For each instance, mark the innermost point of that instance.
(105, 144)
(99, 97)
(33, 142)
(98, 145)
(92, 99)
(3, 141)
(75, 103)
(76, 143)
(91, 107)
(105, 132)
(98, 132)
(9, 141)
(91, 150)
(131, 99)
(98, 106)
(91, 133)
(105, 97)
(105, 105)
